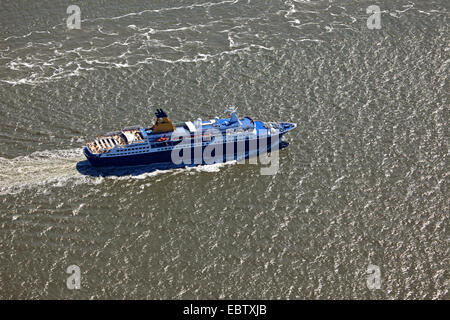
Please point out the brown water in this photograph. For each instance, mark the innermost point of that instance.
(363, 181)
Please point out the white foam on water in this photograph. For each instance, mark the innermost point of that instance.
(57, 168)
(38, 168)
(216, 167)
(139, 174)
(46, 63)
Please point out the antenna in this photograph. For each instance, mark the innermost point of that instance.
(230, 108)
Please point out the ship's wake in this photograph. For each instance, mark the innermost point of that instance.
(57, 168)
(38, 168)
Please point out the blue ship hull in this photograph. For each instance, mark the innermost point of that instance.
(165, 157)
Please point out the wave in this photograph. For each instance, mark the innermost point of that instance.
(37, 168)
(134, 40)
(57, 168)
(58, 54)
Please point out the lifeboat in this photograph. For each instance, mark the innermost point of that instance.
(161, 139)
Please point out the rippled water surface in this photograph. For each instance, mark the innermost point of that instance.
(363, 181)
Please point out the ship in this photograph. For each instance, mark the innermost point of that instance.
(187, 143)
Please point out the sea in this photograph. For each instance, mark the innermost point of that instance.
(359, 205)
